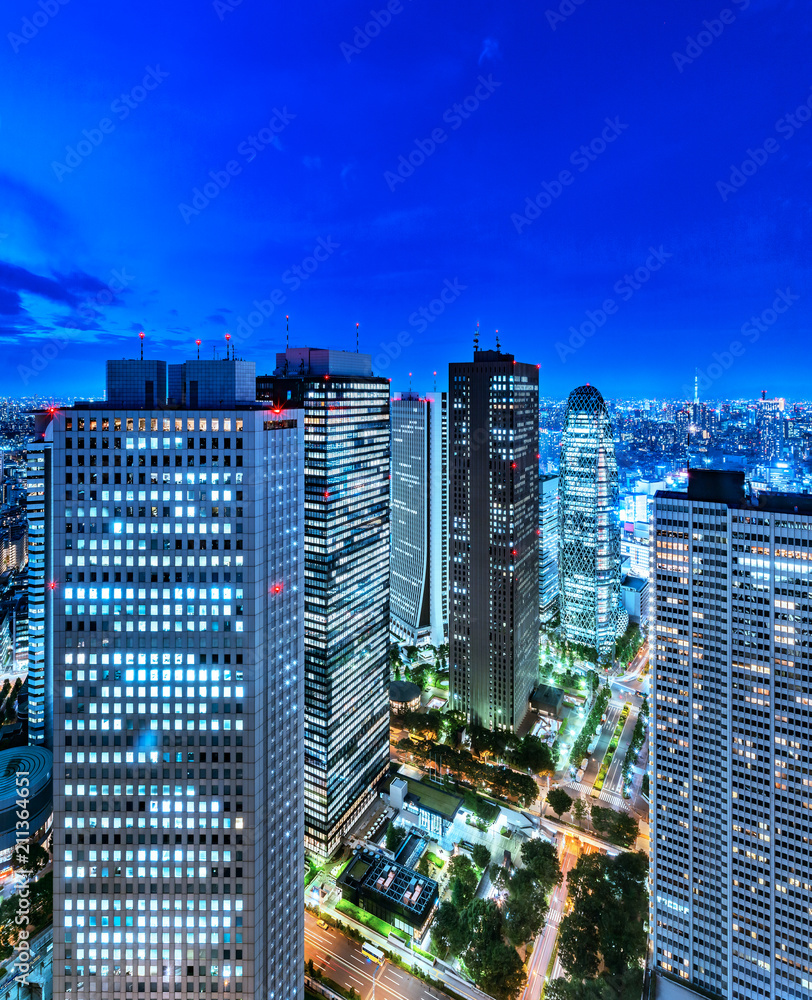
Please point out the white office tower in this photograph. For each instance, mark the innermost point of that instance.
(548, 547)
(175, 628)
(730, 767)
(418, 600)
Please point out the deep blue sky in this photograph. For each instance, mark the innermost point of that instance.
(230, 65)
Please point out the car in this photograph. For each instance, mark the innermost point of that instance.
(323, 924)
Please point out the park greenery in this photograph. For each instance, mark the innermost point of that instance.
(590, 727)
(605, 931)
(395, 835)
(528, 753)
(463, 880)
(617, 827)
(484, 937)
(502, 782)
(628, 645)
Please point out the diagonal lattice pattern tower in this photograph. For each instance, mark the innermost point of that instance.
(589, 552)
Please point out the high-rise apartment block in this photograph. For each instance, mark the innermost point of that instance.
(548, 547)
(346, 540)
(494, 538)
(173, 630)
(731, 904)
(419, 496)
(589, 535)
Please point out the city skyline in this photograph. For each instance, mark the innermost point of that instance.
(699, 151)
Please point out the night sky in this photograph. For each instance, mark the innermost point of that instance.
(195, 168)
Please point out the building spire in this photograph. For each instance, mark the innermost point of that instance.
(476, 337)
(497, 342)
(356, 338)
(287, 332)
(198, 349)
(141, 335)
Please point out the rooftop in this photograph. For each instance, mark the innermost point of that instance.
(433, 799)
(375, 874)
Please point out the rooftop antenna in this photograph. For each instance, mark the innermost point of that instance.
(141, 335)
(198, 349)
(476, 337)
(287, 333)
(696, 386)
(435, 381)
(228, 341)
(497, 341)
(410, 383)
(356, 338)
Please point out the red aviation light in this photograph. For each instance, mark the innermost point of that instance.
(52, 585)
(276, 588)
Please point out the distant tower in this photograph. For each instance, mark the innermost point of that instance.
(589, 553)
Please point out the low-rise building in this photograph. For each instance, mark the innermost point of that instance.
(432, 809)
(390, 891)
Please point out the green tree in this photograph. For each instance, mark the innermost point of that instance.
(463, 880)
(579, 809)
(526, 908)
(533, 753)
(607, 923)
(481, 855)
(498, 971)
(539, 857)
(423, 866)
(395, 835)
(448, 933)
(559, 801)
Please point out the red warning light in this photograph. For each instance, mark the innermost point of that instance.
(513, 552)
(276, 588)
(52, 585)
(513, 465)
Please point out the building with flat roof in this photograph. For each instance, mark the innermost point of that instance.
(547, 700)
(390, 891)
(731, 900)
(494, 538)
(404, 697)
(168, 666)
(434, 810)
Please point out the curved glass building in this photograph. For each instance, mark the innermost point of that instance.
(589, 540)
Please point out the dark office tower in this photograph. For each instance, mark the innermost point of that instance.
(173, 623)
(731, 902)
(346, 415)
(419, 496)
(494, 540)
(589, 535)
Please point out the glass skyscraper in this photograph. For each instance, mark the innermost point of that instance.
(548, 547)
(173, 628)
(419, 495)
(589, 536)
(346, 417)
(494, 538)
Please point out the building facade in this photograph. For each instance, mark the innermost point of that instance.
(589, 539)
(174, 626)
(346, 417)
(548, 547)
(419, 518)
(731, 904)
(494, 538)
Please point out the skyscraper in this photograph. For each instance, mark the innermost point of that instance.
(346, 417)
(419, 496)
(175, 627)
(548, 547)
(589, 560)
(732, 668)
(494, 540)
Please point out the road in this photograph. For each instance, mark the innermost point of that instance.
(538, 969)
(343, 961)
